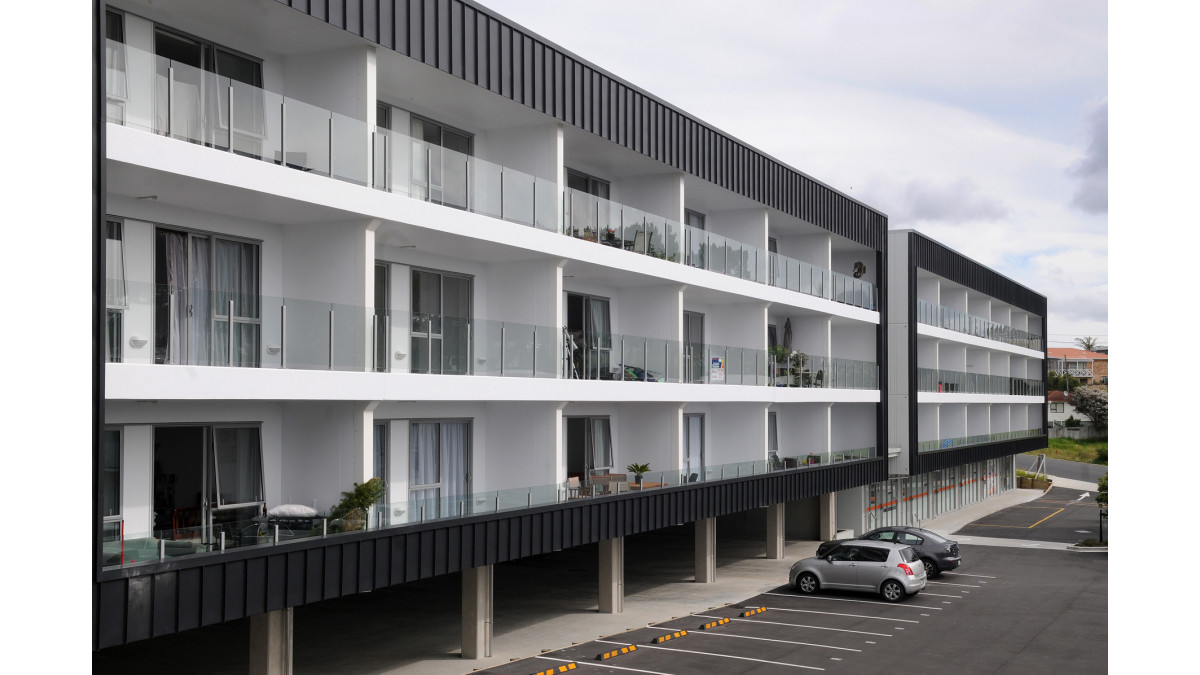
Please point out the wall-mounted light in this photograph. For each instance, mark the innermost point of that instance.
(481, 361)
(273, 349)
(400, 356)
(137, 342)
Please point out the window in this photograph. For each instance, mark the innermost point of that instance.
(110, 484)
(115, 296)
(578, 180)
(200, 279)
(693, 219)
(441, 323)
(380, 452)
(114, 56)
(382, 314)
(1057, 407)
(201, 75)
(871, 554)
(845, 554)
(589, 446)
(438, 463)
(910, 539)
(773, 435)
(440, 162)
(588, 339)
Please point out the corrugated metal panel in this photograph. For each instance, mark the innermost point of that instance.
(138, 603)
(944, 459)
(945, 262)
(501, 57)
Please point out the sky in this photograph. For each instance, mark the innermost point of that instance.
(983, 125)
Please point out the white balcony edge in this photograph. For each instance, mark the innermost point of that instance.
(984, 343)
(935, 397)
(159, 153)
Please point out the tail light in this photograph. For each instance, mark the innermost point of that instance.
(906, 568)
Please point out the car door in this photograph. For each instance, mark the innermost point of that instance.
(910, 539)
(872, 567)
(841, 567)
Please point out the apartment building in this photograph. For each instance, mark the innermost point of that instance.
(411, 240)
(1088, 367)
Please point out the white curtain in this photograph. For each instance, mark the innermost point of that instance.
(174, 261)
(601, 443)
(423, 454)
(200, 321)
(454, 458)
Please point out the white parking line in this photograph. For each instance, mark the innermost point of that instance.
(603, 665)
(939, 595)
(947, 583)
(723, 656)
(855, 616)
(797, 625)
(960, 574)
(750, 637)
(867, 602)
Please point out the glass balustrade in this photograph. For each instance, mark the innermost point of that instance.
(961, 322)
(963, 441)
(951, 382)
(123, 549)
(152, 93)
(167, 325)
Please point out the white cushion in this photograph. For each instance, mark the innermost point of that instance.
(292, 511)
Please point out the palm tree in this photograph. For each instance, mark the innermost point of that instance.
(1088, 344)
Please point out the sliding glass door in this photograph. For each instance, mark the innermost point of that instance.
(693, 446)
(438, 465)
(588, 342)
(441, 323)
(693, 340)
(207, 300)
(589, 447)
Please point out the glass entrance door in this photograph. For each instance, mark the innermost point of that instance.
(438, 465)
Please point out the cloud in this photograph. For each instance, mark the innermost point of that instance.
(957, 202)
(1091, 170)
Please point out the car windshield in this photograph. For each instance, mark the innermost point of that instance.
(908, 555)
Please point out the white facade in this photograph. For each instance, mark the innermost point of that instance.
(397, 302)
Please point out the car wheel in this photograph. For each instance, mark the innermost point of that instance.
(931, 570)
(807, 583)
(892, 591)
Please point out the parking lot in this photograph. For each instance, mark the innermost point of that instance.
(1006, 609)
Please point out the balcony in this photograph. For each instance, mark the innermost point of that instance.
(953, 382)
(155, 323)
(979, 439)
(210, 539)
(171, 99)
(961, 322)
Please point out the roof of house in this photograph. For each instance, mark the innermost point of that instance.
(1075, 354)
(1057, 397)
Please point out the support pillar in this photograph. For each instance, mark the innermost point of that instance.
(828, 516)
(271, 643)
(612, 575)
(477, 612)
(706, 550)
(776, 540)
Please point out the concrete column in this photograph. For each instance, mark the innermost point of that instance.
(271, 643)
(612, 575)
(776, 540)
(828, 516)
(477, 612)
(706, 550)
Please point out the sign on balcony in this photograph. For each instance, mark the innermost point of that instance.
(716, 371)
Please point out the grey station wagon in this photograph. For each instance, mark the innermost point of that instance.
(892, 570)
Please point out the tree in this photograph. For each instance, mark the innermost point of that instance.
(1093, 402)
(1102, 493)
(1062, 382)
(1087, 343)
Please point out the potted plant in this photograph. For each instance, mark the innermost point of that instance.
(610, 235)
(637, 470)
(351, 512)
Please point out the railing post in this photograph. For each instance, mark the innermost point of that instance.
(534, 353)
(645, 361)
(229, 112)
(331, 144)
(471, 350)
(331, 338)
(170, 99)
(162, 549)
(222, 541)
(503, 339)
(283, 131)
(467, 182)
(275, 540)
(230, 333)
(283, 336)
(502, 196)
(375, 342)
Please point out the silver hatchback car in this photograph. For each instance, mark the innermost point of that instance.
(892, 570)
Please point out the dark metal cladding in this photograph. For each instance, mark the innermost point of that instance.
(176, 595)
(472, 43)
(944, 262)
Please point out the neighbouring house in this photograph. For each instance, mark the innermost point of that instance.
(1059, 408)
(1087, 367)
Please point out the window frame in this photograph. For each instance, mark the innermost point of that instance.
(593, 182)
